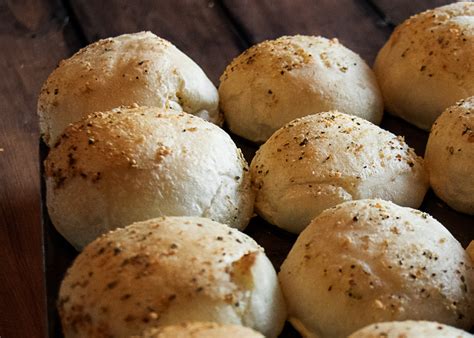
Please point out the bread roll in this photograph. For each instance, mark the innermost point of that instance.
(450, 156)
(166, 271)
(201, 330)
(470, 250)
(279, 80)
(321, 160)
(371, 261)
(410, 329)
(131, 164)
(427, 63)
(136, 68)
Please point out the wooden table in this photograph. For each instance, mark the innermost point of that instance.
(36, 34)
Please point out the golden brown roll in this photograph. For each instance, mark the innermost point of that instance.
(427, 65)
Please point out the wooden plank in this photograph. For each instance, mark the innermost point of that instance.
(198, 28)
(32, 39)
(354, 23)
(398, 11)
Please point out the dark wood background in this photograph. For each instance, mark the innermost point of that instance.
(36, 34)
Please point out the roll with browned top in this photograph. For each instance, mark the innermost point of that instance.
(131, 164)
(427, 65)
(279, 80)
(166, 271)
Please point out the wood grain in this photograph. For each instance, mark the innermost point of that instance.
(354, 23)
(396, 12)
(36, 34)
(199, 28)
(33, 37)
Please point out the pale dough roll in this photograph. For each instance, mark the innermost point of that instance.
(138, 68)
(410, 329)
(371, 261)
(166, 271)
(279, 80)
(321, 160)
(450, 156)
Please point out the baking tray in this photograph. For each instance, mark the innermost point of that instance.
(59, 254)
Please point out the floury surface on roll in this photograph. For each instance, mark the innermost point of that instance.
(450, 156)
(138, 68)
(279, 80)
(201, 330)
(167, 271)
(321, 160)
(427, 65)
(410, 329)
(131, 164)
(371, 261)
